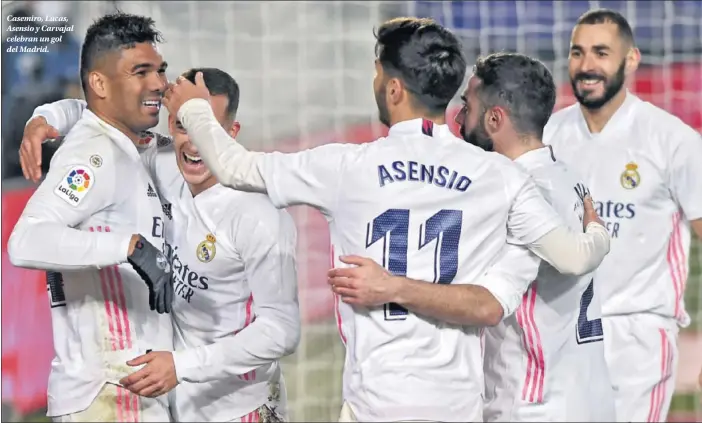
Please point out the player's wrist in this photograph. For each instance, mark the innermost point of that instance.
(398, 289)
(141, 252)
(132, 244)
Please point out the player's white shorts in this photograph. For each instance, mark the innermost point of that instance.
(347, 415)
(642, 355)
(116, 404)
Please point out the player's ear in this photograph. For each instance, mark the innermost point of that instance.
(234, 129)
(98, 83)
(633, 58)
(394, 90)
(494, 119)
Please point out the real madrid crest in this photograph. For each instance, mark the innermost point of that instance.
(206, 250)
(630, 178)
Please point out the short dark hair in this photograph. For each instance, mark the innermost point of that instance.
(600, 16)
(427, 57)
(111, 33)
(520, 84)
(218, 82)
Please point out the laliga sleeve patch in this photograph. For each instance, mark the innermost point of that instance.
(75, 185)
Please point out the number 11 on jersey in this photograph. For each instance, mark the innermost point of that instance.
(392, 227)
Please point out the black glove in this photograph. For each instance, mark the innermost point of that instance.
(153, 267)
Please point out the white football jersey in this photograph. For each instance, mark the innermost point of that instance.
(427, 205)
(546, 361)
(644, 173)
(236, 309)
(79, 222)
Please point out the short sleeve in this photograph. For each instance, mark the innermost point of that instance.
(531, 216)
(685, 176)
(510, 277)
(312, 177)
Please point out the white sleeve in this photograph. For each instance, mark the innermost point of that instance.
(45, 236)
(685, 175)
(510, 276)
(229, 161)
(311, 177)
(62, 114)
(535, 224)
(530, 216)
(573, 253)
(268, 249)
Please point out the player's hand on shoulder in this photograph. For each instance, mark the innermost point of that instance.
(35, 133)
(590, 213)
(183, 90)
(153, 267)
(156, 378)
(365, 284)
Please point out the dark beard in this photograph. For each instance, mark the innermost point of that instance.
(383, 113)
(478, 136)
(612, 87)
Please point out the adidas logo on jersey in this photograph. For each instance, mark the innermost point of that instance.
(150, 192)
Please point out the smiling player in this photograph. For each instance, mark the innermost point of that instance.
(233, 255)
(642, 164)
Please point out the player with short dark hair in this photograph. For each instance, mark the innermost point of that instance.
(520, 86)
(81, 221)
(642, 165)
(428, 60)
(545, 362)
(420, 201)
(233, 256)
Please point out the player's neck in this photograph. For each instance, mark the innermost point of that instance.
(411, 115)
(200, 188)
(115, 124)
(519, 147)
(597, 119)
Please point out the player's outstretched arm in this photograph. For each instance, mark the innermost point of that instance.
(308, 177)
(484, 302)
(45, 236)
(535, 224)
(267, 246)
(53, 120)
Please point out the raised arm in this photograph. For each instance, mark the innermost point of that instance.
(483, 302)
(45, 236)
(309, 177)
(268, 248)
(56, 119)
